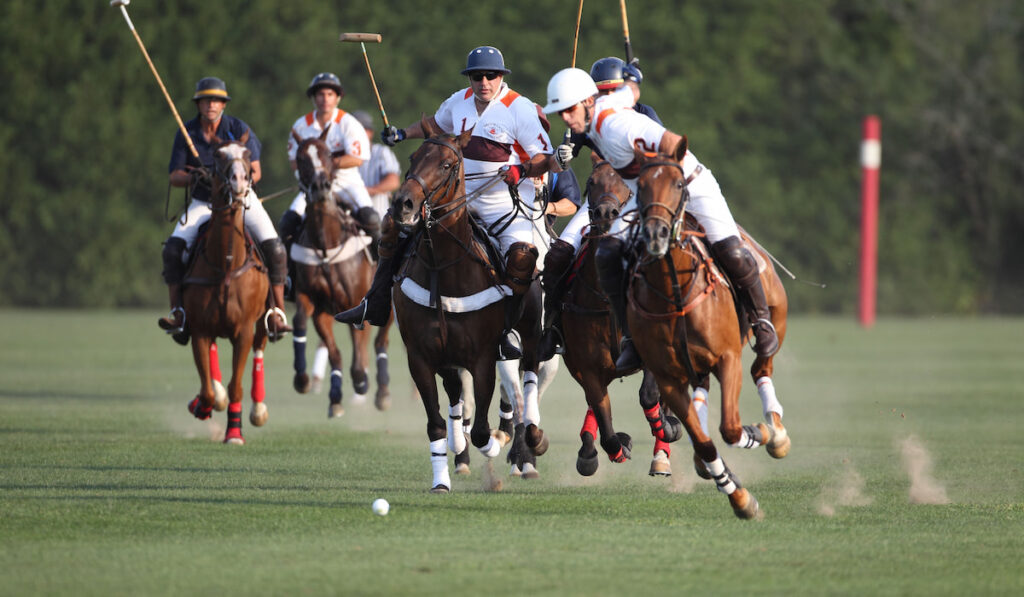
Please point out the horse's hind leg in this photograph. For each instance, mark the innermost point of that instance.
(382, 400)
(733, 431)
(301, 381)
(763, 368)
(324, 323)
(665, 427)
(436, 431)
(258, 415)
(202, 405)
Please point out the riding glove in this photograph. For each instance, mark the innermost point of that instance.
(563, 155)
(391, 135)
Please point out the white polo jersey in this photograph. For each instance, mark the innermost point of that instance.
(345, 136)
(508, 132)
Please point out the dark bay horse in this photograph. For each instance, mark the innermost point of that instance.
(333, 269)
(225, 293)
(685, 322)
(448, 300)
(592, 341)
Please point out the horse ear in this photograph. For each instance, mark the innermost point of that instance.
(680, 151)
(245, 137)
(216, 141)
(594, 159)
(463, 138)
(323, 135)
(428, 130)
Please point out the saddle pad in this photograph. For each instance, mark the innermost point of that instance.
(350, 248)
(455, 304)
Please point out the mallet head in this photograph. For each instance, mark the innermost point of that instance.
(119, 2)
(361, 37)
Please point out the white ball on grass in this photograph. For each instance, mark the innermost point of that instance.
(381, 507)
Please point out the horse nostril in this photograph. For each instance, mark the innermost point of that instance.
(663, 233)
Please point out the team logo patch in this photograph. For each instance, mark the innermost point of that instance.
(498, 132)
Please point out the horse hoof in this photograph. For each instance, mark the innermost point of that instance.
(301, 383)
(234, 437)
(440, 489)
(462, 469)
(537, 440)
(699, 466)
(744, 505)
(258, 415)
(462, 462)
(382, 400)
(335, 411)
(198, 410)
(778, 446)
(502, 437)
(318, 384)
(587, 465)
(530, 472)
(358, 398)
(220, 396)
(660, 465)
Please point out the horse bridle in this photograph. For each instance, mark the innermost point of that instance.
(433, 215)
(594, 202)
(677, 211)
(226, 190)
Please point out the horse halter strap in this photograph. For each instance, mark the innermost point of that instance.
(449, 184)
(606, 193)
(679, 209)
(226, 189)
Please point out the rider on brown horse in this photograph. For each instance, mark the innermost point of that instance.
(210, 127)
(506, 132)
(350, 148)
(617, 131)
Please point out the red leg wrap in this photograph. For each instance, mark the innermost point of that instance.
(618, 457)
(664, 447)
(589, 424)
(214, 363)
(259, 391)
(653, 415)
(198, 410)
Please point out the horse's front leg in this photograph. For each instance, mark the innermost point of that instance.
(597, 424)
(451, 378)
(360, 363)
(423, 377)
(303, 307)
(202, 405)
(324, 324)
(258, 415)
(240, 351)
(665, 427)
(483, 374)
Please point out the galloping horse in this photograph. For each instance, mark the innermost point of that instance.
(685, 321)
(226, 293)
(592, 340)
(333, 271)
(449, 300)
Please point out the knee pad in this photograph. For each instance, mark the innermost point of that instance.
(277, 260)
(368, 218)
(174, 269)
(520, 262)
(737, 261)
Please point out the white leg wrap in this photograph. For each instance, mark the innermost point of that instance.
(320, 362)
(456, 437)
(257, 354)
(746, 441)
(769, 402)
(531, 410)
(700, 404)
(492, 449)
(717, 469)
(439, 462)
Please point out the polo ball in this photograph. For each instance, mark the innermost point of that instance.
(381, 507)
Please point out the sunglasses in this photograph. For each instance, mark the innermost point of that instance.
(490, 76)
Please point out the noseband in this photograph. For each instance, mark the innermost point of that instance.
(677, 210)
(434, 214)
(225, 171)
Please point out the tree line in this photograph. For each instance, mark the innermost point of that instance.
(770, 93)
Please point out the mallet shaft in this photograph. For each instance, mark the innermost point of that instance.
(376, 93)
(576, 38)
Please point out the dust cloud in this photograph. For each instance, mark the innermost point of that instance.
(847, 489)
(924, 488)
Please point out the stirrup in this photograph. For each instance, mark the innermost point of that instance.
(629, 359)
(349, 316)
(510, 347)
(276, 334)
(166, 324)
(552, 342)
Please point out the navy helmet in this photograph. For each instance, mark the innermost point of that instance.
(329, 80)
(485, 58)
(612, 72)
(211, 87)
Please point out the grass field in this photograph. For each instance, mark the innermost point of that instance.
(905, 478)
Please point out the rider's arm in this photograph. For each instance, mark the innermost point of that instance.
(257, 172)
(387, 184)
(180, 178)
(415, 130)
(346, 161)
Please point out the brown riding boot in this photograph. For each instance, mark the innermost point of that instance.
(741, 268)
(174, 322)
(557, 264)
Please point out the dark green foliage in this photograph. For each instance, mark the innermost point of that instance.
(770, 93)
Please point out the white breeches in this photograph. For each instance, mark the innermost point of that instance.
(257, 221)
(573, 231)
(495, 204)
(347, 187)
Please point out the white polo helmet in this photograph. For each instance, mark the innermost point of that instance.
(567, 88)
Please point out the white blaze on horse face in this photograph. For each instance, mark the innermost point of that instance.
(314, 158)
(238, 175)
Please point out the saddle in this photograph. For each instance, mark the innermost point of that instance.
(253, 258)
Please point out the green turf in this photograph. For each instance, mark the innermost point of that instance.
(109, 487)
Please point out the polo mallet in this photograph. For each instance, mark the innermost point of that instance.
(576, 39)
(374, 38)
(122, 4)
(625, 32)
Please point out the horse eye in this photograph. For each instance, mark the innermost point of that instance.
(446, 165)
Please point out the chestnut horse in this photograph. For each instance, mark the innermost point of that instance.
(684, 320)
(333, 270)
(448, 300)
(225, 293)
(592, 341)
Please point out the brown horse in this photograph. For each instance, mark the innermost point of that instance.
(448, 300)
(225, 293)
(685, 322)
(333, 269)
(592, 341)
